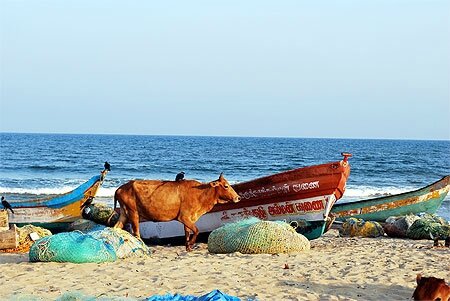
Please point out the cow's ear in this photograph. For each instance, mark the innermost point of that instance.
(418, 277)
(214, 183)
(221, 176)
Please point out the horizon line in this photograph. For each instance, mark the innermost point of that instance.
(221, 136)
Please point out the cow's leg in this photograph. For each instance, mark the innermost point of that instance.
(134, 220)
(194, 236)
(190, 226)
(187, 234)
(122, 218)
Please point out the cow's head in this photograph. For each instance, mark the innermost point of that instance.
(430, 288)
(224, 191)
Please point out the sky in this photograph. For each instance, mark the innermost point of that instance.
(323, 69)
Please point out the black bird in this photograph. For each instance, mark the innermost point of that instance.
(107, 166)
(180, 176)
(6, 204)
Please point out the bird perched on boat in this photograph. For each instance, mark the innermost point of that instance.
(180, 176)
(107, 166)
(6, 204)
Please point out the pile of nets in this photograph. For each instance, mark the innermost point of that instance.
(215, 295)
(98, 246)
(429, 226)
(125, 245)
(253, 236)
(397, 226)
(80, 296)
(25, 240)
(101, 214)
(74, 247)
(358, 227)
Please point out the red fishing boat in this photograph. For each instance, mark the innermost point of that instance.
(302, 197)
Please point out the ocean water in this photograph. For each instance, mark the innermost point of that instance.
(35, 165)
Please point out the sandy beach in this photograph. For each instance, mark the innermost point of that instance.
(336, 268)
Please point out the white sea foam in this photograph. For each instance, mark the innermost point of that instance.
(370, 191)
(360, 191)
(102, 192)
(37, 191)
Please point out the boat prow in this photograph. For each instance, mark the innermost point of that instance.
(427, 199)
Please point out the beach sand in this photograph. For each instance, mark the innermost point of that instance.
(335, 268)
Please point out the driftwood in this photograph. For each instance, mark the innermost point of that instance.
(9, 238)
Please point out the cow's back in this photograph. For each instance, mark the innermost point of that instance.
(158, 200)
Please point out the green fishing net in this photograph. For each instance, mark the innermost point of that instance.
(73, 247)
(125, 245)
(101, 214)
(253, 236)
(429, 226)
(102, 245)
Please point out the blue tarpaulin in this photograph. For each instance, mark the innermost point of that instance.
(215, 295)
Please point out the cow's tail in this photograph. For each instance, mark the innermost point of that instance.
(115, 200)
(114, 213)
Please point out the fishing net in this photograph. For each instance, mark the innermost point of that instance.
(396, 226)
(85, 226)
(80, 296)
(125, 245)
(358, 227)
(101, 214)
(215, 295)
(25, 241)
(253, 236)
(73, 247)
(429, 226)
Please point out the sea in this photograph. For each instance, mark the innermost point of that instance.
(40, 165)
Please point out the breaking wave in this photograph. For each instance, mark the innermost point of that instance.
(373, 192)
(102, 192)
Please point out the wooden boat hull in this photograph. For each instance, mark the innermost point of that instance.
(58, 212)
(303, 197)
(427, 199)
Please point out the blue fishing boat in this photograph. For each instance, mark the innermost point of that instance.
(57, 212)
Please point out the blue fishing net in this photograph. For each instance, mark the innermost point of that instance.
(124, 244)
(73, 247)
(215, 295)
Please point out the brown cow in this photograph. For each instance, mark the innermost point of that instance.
(431, 288)
(163, 201)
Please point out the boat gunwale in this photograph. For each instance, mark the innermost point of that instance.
(63, 199)
(288, 172)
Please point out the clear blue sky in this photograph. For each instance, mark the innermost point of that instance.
(356, 69)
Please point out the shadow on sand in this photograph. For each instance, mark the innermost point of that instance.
(352, 291)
